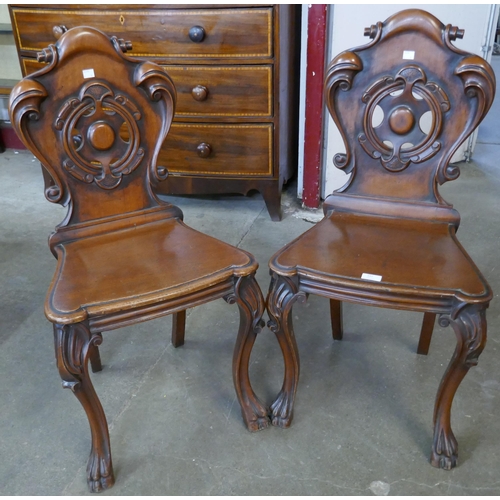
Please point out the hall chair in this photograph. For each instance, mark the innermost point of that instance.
(96, 119)
(404, 103)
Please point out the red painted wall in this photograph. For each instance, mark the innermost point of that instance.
(316, 35)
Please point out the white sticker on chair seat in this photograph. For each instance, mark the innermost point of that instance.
(408, 54)
(371, 277)
(88, 73)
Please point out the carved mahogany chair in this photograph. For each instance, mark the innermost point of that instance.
(96, 120)
(388, 237)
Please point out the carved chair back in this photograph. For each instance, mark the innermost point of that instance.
(404, 103)
(96, 120)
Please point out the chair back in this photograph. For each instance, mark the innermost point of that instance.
(404, 103)
(96, 120)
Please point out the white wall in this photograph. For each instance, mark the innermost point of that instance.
(346, 25)
(9, 62)
(302, 99)
(9, 67)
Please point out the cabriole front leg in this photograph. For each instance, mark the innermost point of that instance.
(74, 345)
(469, 324)
(283, 292)
(248, 296)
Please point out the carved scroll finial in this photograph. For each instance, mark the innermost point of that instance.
(124, 45)
(340, 75)
(479, 87)
(24, 106)
(159, 87)
(374, 32)
(454, 32)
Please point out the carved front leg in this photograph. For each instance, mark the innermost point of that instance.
(283, 292)
(74, 345)
(248, 296)
(469, 324)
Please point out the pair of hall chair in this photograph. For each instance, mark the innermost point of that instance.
(96, 119)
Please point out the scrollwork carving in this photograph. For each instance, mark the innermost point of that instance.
(283, 293)
(24, 105)
(100, 135)
(159, 87)
(73, 345)
(340, 75)
(479, 87)
(247, 292)
(397, 98)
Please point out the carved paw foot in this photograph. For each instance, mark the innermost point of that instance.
(257, 423)
(282, 410)
(100, 475)
(443, 461)
(445, 451)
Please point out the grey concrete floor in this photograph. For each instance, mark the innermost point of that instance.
(363, 417)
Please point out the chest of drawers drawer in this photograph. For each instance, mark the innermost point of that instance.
(224, 91)
(219, 149)
(221, 33)
(235, 71)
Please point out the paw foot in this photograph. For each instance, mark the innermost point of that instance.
(282, 411)
(443, 461)
(99, 474)
(444, 450)
(258, 424)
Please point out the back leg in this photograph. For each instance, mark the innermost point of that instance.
(426, 333)
(95, 358)
(336, 317)
(178, 328)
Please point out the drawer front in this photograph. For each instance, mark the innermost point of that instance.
(238, 91)
(234, 150)
(222, 90)
(157, 32)
(31, 66)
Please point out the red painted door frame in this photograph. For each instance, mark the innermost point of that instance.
(316, 37)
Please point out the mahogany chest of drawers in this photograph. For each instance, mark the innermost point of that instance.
(235, 70)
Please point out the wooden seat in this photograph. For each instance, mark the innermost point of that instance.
(388, 238)
(424, 257)
(157, 262)
(96, 119)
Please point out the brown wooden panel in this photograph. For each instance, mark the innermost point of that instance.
(236, 150)
(231, 90)
(245, 32)
(244, 91)
(31, 66)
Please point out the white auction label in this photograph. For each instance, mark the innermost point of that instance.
(408, 54)
(371, 277)
(88, 73)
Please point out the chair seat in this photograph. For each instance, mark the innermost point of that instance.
(416, 254)
(136, 267)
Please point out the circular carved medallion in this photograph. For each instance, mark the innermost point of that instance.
(399, 140)
(100, 135)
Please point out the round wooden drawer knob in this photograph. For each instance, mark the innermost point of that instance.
(204, 150)
(199, 93)
(196, 34)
